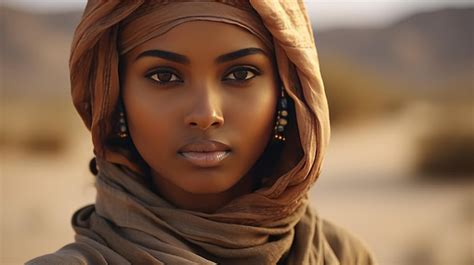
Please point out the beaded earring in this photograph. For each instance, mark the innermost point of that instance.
(123, 126)
(282, 116)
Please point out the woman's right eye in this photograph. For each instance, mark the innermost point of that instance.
(164, 76)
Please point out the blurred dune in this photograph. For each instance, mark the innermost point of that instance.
(399, 168)
(35, 51)
(426, 52)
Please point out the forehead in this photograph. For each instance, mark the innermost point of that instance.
(202, 38)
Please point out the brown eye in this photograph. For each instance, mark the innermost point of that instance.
(242, 74)
(164, 77)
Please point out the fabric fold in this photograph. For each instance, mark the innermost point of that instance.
(126, 227)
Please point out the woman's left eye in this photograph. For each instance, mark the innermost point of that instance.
(241, 74)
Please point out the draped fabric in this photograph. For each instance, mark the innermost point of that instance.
(129, 224)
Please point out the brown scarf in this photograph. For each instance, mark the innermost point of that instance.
(129, 224)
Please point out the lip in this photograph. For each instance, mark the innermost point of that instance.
(205, 153)
(204, 146)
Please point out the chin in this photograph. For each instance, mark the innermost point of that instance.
(207, 184)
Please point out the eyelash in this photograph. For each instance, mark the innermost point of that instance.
(176, 79)
(174, 76)
(254, 71)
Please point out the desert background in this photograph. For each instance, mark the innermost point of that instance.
(399, 172)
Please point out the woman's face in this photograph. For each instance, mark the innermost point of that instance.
(200, 83)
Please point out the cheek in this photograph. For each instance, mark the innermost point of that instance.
(150, 122)
(254, 118)
(257, 113)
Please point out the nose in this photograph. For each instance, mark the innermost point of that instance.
(206, 112)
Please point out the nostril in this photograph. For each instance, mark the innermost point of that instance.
(204, 122)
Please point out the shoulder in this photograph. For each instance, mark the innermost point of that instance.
(347, 248)
(80, 253)
(74, 254)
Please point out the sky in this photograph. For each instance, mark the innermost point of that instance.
(371, 13)
(325, 13)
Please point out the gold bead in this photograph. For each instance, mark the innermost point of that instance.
(282, 122)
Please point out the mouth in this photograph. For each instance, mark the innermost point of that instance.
(205, 159)
(205, 153)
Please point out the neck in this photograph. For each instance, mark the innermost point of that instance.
(207, 203)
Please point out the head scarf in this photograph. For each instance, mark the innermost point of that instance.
(111, 28)
(129, 224)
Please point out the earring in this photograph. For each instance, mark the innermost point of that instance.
(282, 116)
(123, 126)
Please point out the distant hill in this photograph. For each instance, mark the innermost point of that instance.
(34, 51)
(427, 51)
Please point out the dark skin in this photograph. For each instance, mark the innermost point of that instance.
(202, 80)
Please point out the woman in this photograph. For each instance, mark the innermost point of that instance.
(209, 123)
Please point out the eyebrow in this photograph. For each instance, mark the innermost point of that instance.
(238, 54)
(170, 56)
(178, 58)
